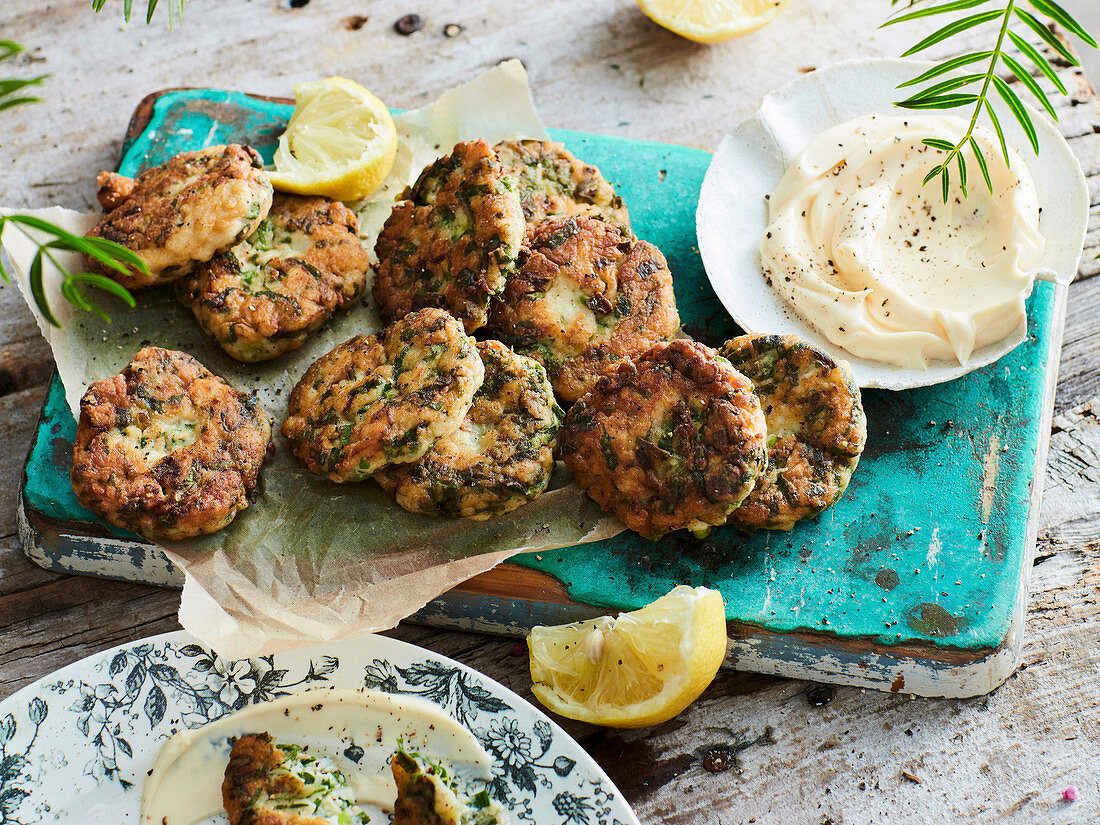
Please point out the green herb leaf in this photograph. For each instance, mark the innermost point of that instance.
(1019, 111)
(1041, 63)
(951, 29)
(945, 67)
(997, 128)
(1063, 18)
(928, 11)
(939, 102)
(978, 156)
(936, 143)
(1047, 36)
(946, 86)
(1024, 76)
(107, 252)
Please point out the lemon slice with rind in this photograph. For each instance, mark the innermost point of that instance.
(712, 21)
(340, 142)
(641, 668)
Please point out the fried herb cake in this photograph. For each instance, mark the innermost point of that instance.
(427, 795)
(552, 181)
(166, 448)
(587, 295)
(501, 456)
(453, 241)
(182, 212)
(816, 428)
(674, 439)
(268, 294)
(269, 784)
(384, 399)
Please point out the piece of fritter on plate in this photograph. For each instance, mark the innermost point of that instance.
(384, 399)
(500, 457)
(269, 293)
(587, 295)
(270, 784)
(816, 428)
(182, 212)
(166, 448)
(426, 795)
(453, 240)
(674, 439)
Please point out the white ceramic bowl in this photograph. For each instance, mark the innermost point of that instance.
(751, 159)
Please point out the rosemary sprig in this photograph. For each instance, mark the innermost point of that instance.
(12, 89)
(175, 9)
(948, 91)
(108, 253)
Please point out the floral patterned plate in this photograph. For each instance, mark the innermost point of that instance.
(75, 745)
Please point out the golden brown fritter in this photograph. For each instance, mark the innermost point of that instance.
(269, 784)
(182, 212)
(501, 456)
(384, 399)
(422, 797)
(427, 795)
(552, 181)
(675, 439)
(166, 448)
(272, 291)
(453, 241)
(816, 428)
(587, 296)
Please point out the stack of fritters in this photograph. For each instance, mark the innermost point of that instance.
(526, 241)
(762, 435)
(448, 425)
(261, 272)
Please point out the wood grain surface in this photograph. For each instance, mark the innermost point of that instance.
(753, 748)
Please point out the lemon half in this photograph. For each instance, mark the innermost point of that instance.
(340, 142)
(712, 21)
(639, 669)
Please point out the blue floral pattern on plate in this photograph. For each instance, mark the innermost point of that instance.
(77, 743)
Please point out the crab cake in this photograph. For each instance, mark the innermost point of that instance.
(272, 291)
(587, 296)
(453, 242)
(674, 439)
(270, 784)
(816, 428)
(501, 456)
(386, 398)
(552, 181)
(167, 449)
(182, 212)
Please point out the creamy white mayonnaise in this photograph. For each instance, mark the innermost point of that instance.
(879, 264)
(357, 729)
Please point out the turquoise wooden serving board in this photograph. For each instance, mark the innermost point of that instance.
(915, 581)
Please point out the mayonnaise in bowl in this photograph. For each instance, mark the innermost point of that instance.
(882, 266)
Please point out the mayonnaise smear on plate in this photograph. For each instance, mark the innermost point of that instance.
(359, 729)
(877, 261)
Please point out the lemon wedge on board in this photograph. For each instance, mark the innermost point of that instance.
(641, 668)
(712, 21)
(340, 142)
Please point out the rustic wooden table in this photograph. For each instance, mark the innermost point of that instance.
(753, 748)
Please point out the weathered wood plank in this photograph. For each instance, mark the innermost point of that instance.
(1004, 758)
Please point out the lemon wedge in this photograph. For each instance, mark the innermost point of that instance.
(712, 21)
(639, 669)
(340, 142)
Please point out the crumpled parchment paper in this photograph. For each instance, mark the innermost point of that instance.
(310, 560)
